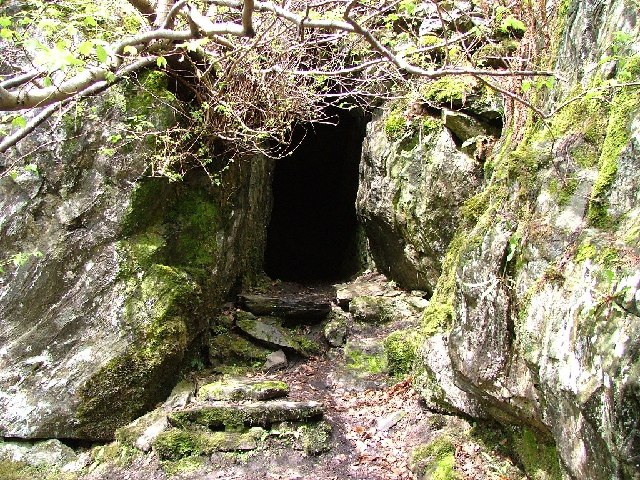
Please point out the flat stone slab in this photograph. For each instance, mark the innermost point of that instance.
(372, 285)
(243, 389)
(177, 443)
(268, 330)
(310, 306)
(232, 416)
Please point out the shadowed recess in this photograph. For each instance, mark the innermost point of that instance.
(313, 234)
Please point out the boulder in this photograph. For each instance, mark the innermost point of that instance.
(118, 273)
(335, 330)
(409, 198)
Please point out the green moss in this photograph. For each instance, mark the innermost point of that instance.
(194, 223)
(149, 202)
(493, 54)
(400, 348)
(535, 454)
(142, 99)
(539, 458)
(132, 382)
(448, 90)
(10, 470)
(430, 125)
(435, 460)
(437, 317)
(624, 105)
(114, 454)
(308, 347)
(230, 420)
(316, 438)
(234, 349)
(563, 190)
(183, 466)
(395, 125)
(363, 363)
(175, 444)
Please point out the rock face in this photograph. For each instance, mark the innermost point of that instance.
(108, 276)
(542, 278)
(412, 186)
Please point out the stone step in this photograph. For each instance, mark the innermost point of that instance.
(230, 416)
(270, 331)
(239, 389)
(307, 307)
(177, 443)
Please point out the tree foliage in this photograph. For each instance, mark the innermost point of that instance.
(247, 70)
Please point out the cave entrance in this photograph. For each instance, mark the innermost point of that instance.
(314, 235)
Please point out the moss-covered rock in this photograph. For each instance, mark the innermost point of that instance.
(133, 382)
(370, 309)
(434, 460)
(316, 438)
(234, 417)
(175, 444)
(233, 349)
(400, 348)
(269, 330)
(238, 389)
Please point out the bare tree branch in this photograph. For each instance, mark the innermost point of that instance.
(298, 20)
(145, 8)
(247, 18)
(93, 89)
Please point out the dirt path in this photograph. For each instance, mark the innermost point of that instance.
(377, 421)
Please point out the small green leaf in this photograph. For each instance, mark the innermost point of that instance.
(6, 33)
(102, 54)
(19, 122)
(526, 85)
(47, 81)
(5, 21)
(20, 259)
(32, 167)
(161, 62)
(85, 48)
(131, 50)
(90, 22)
(110, 77)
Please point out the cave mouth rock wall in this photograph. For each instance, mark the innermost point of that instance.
(313, 234)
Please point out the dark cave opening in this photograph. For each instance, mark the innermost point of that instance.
(314, 235)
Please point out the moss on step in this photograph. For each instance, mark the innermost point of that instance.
(183, 466)
(12, 470)
(316, 437)
(242, 389)
(400, 349)
(234, 417)
(233, 349)
(175, 443)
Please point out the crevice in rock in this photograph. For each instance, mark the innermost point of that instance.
(313, 233)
